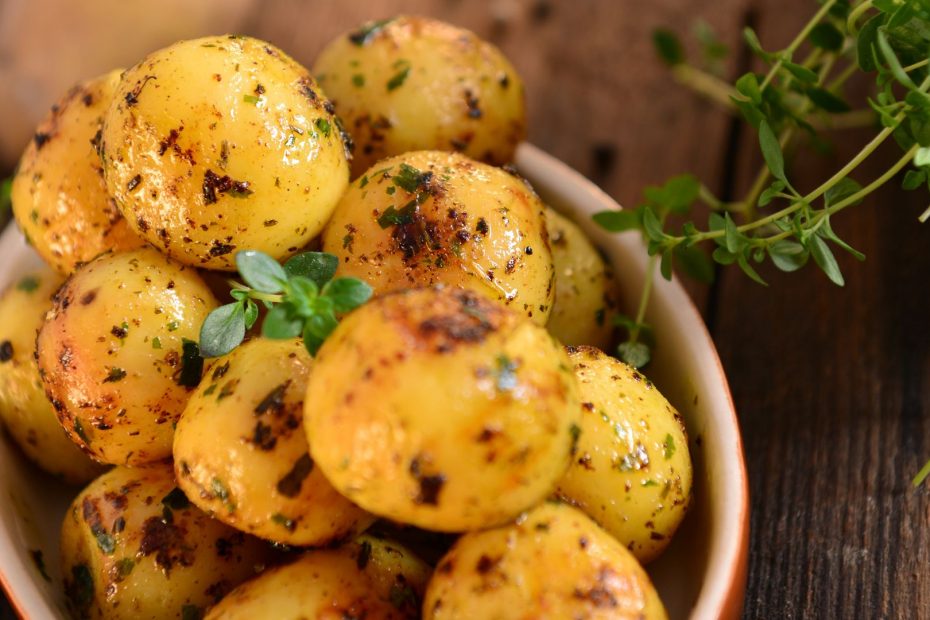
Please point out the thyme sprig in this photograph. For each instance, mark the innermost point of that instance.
(798, 95)
(302, 297)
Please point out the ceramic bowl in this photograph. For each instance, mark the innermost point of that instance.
(700, 576)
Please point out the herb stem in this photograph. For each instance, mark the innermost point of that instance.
(844, 75)
(916, 65)
(854, 16)
(705, 84)
(644, 298)
(269, 297)
(796, 43)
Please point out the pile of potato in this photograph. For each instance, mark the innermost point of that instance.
(442, 456)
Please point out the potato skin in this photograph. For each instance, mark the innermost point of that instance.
(24, 408)
(367, 578)
(586, 294)
(242, 433)
(415, 83)
(554, 562)
(475, 226)
(441, 409)
(632, 470)
(133, 547)
(59, 196)
(110, 353)
(223, 143)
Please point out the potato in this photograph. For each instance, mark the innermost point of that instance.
(24, 409)
(367, 578)
(240, 452)
(631, 471)
(554, 562)
(413, 83)
(112, 357)
(60, 199)
(426, 218)
(585, 291)
(133, 547)
(223, 143)
(441, 409)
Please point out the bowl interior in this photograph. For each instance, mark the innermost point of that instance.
(702, 573)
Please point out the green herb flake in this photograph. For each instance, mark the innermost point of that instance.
(173, 326)
(104, 540)
(409, 178)
(124, 567)
(366, 33)
(251, 99)
(397, 217)
(28, 284)
(79, 431)
(358, 80)
(221, 492)
(669, 446)
(156, 342)
(575, 432)
(115, 374)
(649, 483)
(323, 125)
(284, 521)
(400, 77)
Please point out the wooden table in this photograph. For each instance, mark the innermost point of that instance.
(832, 385)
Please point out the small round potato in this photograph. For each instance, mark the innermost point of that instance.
(222, 143)
(412, 83)
(441, 409)
(133, 547)
(631, 471)
(585, 291)
(24, 408)
(366, 578)
(59, 196)
(112, 353)
(554, 562)
(240, 452)
(428, 217)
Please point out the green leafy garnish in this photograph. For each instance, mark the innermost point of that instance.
(303, 299)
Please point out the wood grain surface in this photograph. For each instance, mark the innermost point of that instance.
(832, 385)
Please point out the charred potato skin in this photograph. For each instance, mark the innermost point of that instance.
(414, 83)
(258, 160)
(24, 408)
(553, 562)
(132, 546)
(110, 353)
(59, 195)
(365, 578)
(586, 294)
(441, 409)
(428, 217)
(632, 469)
(241, 454)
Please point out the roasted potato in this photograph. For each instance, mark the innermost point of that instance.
(554, 562)
(586, 294)
(222, 143)
(441, 409)
(240, 452)
(429, 217)
(631, 471)
(413, 83)
(366, 578)
(133, 547)
(112, 353)
(60, 199)
(24, 409)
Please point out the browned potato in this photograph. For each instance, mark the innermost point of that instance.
(111, 353)
(632, 469)
(60, 199)
(554, 562)
(133, 547)
(223, 143)
(24, 409)
(441, 409)
(585, 291)
(367, 578)
(413, 83)
(240, 452)
(428, 217)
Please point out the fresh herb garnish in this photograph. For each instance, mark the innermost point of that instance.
(28, 284)
(398, 79)
(303, 298)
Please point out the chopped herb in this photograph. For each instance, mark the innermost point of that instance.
(251, 99)
(284, 522)
(210, 389)
(323, 125)
(156, 342)
(191, 364)
(173, 325)
(402, 595)
(367, 32)
(222, 493)
(79, 431)
(410, 179)
(28, 284)
(104, 540)
(649, 483)
(669, 446)
(115, 374)
(363, 181)
(575, 431)
(390, 190)
(124, 567)
(228, 389)
(395, 217)
(400, 77)
(358, 80)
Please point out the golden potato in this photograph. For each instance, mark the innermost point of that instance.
(631, 471)
(426, 218)
(223, 143)
(441, 409)
(133, 547)
(413, 83)
(60, 199)
(24, 409)
(585, 292)
(366, 578)
(112, 353)
(554, 562)
(240, 452)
